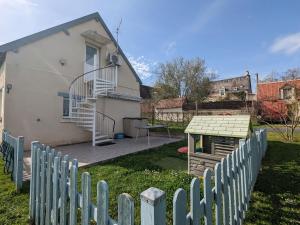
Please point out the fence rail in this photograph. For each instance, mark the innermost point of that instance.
(12, 149)
(55, 199)
(183, 118)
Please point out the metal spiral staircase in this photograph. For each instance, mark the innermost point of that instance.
(83, 93)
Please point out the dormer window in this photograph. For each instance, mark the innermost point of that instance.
(222, 91)
(287, 92)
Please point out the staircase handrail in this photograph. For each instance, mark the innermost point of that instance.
(109, 117)
(98, 69)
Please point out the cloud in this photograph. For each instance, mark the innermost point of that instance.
(15, 5)
(142, 66)
(170, 48)
(205, 15)
(288, 44)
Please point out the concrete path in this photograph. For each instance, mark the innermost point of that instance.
(88, 155)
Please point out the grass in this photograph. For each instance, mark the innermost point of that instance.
(13, 206)
(276, 196)
(163, 168)
(275, 199)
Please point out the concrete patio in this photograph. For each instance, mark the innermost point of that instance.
(88, 155)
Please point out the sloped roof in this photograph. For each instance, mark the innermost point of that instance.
(226, 126)
(270, 91)
(63, 27)
(145, 91)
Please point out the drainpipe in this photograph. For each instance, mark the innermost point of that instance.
(94, 124)
(116, 82)
(94, 85)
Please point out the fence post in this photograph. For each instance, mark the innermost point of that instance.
(153, 207)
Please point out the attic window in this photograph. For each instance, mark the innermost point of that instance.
(222, 91)
(287, 92)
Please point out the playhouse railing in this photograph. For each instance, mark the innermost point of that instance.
(12, 149)
(55, 199)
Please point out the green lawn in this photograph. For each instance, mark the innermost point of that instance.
(13, 206)
(276, 196)
(275, 200)
(163, 168)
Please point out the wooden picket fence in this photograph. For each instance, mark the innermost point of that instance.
(54, 196)
(12, 149)
(234, 180)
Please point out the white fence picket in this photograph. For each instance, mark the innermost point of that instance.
(195, 201)
(16, 165)
(73, 194)
(208, 197)
(225, 191)
(54, 197)
(218, 194)
(179, 207)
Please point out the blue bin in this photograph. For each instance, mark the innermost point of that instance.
(119, 135)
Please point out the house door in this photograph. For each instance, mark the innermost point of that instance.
(91, 62)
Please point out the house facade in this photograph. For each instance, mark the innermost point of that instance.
(273, 97)
(68, 84)
(235, 89)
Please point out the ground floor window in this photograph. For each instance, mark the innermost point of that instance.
(66, 107)
(66, 101)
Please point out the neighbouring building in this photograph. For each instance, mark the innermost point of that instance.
(236, 88)
(273, 97)
(68, 84)
(232, 96)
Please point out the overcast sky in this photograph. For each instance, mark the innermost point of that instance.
(231, 35)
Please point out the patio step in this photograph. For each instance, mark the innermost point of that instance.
(81, 108)
(102, 141)
(101, 137)
(85, 122)
(87, 127)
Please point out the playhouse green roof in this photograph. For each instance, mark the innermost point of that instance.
(226, 126)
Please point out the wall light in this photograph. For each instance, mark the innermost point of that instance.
(8, 88)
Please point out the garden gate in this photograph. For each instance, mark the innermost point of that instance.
(12, 149)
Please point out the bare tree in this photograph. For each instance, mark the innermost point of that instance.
(286, 113)
(291, 74)
(183, 78)
(271, 77)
